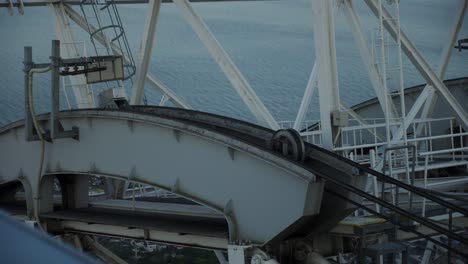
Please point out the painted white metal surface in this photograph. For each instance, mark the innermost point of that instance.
(421, 63)
(188, 160)
(325, 52)
(401, 131)
(81, 90)
(360, 41)
(445, 59)
(226, 64)
(101, 38)
(305, 103)
(146, 51)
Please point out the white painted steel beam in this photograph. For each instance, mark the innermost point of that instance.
(305, 103)
(325, 52)
(63, 32)
(218, 171)
(226, 64)
(366, 56)
(445, 59)
(101, 38)
(146, 51)
(420, 63)
(359, 119)
(428, 96)
(396, 137)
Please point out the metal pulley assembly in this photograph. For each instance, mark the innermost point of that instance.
(289, 143)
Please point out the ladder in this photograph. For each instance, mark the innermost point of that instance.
(391, 63)
(103, 19)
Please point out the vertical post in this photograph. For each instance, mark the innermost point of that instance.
(27, 67)
(74, 191)
(374, 179)
(325, 52)
(63, 31)
(449, 248)
(426, 163)
(361, 246)
(55, 89)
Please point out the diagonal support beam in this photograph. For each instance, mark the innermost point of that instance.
(220, 256)
(428, 95)
(420, 63)
(221, 57)
(364, 50)
(360, 120)
(423, 96)
(444, 61)
(145, 51)
(305, 103)
(157, 84)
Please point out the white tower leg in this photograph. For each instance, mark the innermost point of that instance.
(325, 52)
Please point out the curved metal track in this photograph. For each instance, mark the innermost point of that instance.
(223, 163)
(249, 185)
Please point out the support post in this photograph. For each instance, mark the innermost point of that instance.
(75, 191)
(28, 119)
(145, 51)
(63, 32)
(56, 130)
(55, 89)
(45, 198)
(221, 57)
(325, 51)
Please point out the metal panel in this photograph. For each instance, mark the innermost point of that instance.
(254, 188)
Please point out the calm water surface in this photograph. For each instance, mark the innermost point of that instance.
(271, 43)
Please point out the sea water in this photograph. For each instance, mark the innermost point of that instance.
(271, 43)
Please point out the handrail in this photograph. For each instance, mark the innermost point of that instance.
(390, 180)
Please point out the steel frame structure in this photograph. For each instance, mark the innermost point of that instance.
(324, 74)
